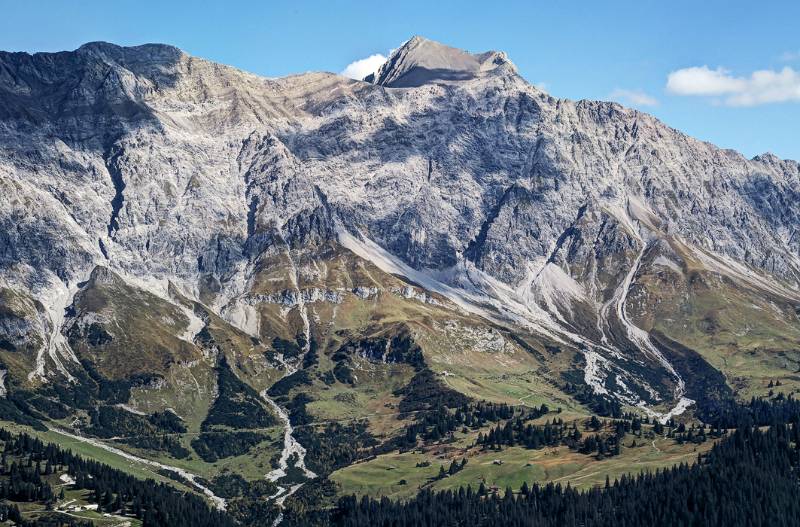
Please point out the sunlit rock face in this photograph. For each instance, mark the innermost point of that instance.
(444, 166)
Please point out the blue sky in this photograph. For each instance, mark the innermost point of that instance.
(735, 64)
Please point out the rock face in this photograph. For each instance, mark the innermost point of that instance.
(420, 61)
(446, 167)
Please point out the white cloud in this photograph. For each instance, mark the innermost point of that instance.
(361, 68)
(703, 81)
(633, 97)
(761, 87)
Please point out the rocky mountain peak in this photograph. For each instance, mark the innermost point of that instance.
(421, 61)
(150, 53)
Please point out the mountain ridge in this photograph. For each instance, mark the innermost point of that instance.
(542, 214)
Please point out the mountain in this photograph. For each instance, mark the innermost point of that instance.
(421, 61)
(170, 226)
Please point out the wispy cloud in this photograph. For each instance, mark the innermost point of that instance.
(761, 87)
(363, 67)
(790, 56)
(633, 97)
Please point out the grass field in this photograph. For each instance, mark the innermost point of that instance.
(252, 465)
(509, 468)
(76, 498)
(89, 451)
(751, 338)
